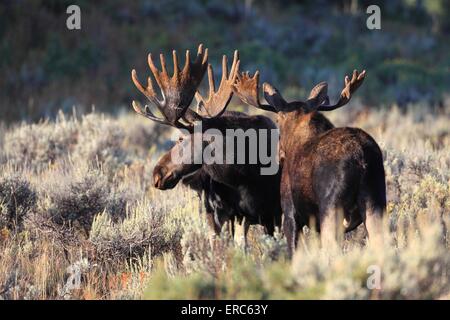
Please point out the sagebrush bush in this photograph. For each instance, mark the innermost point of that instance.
(100, 183)
(100, 141)
(40, 145)
(420, 269)
(144, 230)
(142, 136)
(78, 200)
(207, 253)
(242, 279)
(78, 197)
(201, 251)
(17, 198)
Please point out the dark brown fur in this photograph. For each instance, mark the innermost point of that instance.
(240, 188)
(327, 172)
(332, 176)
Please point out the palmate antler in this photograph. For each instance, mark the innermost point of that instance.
(179, 90)
(351, 85)
(217, 101)
(247, 88)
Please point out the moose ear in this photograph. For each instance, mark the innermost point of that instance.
(274, 97)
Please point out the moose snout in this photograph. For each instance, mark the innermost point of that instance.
(157, 181)
(169, 181)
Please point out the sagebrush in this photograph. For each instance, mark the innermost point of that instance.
(76, 194)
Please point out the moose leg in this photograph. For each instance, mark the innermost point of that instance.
(331, 226)
(338, 203)
(328, 235)
(213, 226)
(200, 205)
(288, 209)
(231, 222)
(246, 229)
(269, 227)
(374, 202)
(241, 231)
(373, 221)
(229, 225)
(290, 230)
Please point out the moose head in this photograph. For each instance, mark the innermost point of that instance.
(248, 185)
(296, 115)
(177, 94)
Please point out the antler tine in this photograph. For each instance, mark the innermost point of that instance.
(217, 101)
(351, 85)
(149, 92)
(149, 114)
(224, 68)
(202, 55)
(175, 64)
(177, 91)
(318, 95)
(199, 50)
(247, 89)
(211, 82)
(187, 62)
(235, 65)
(154, 69)
(163, 65)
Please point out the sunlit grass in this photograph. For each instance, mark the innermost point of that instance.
(84, 194)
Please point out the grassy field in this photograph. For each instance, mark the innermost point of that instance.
(76, 200)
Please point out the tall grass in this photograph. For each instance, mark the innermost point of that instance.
(76, 200)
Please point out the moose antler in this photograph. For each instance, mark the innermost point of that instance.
(247, 89)
(318, 95)
(217, 101)
(177, 91)
(146, 112)
(351, 85)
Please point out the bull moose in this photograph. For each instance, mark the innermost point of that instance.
(332, 176)
(239, 187)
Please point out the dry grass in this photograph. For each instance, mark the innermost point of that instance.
(75, 194)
